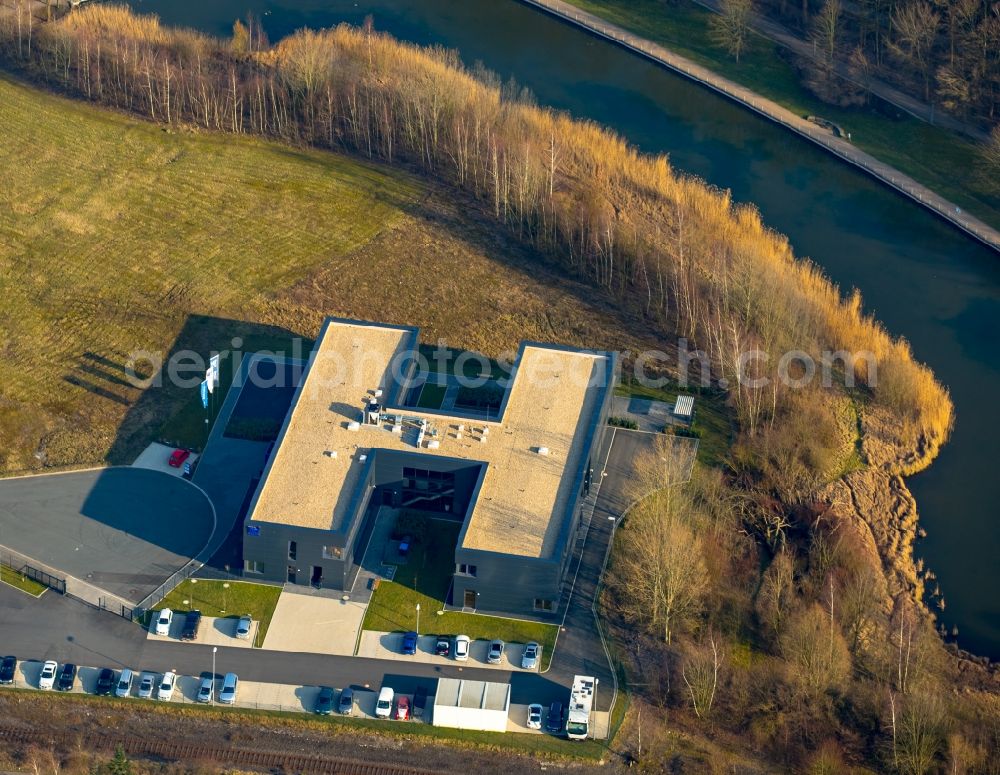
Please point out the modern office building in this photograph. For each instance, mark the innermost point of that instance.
(354, 440)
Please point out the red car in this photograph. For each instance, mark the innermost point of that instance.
(403, 709)
(177, 457)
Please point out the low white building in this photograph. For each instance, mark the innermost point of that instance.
(464, 704)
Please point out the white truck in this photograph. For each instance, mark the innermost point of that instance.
(581, 700)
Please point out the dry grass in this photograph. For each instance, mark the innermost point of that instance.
(115, 235)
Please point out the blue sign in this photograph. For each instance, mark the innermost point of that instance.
(204, 394)
(253, 530)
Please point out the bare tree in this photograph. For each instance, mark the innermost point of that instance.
(915, 27)
(731, 29)
(700, 671)
(815, 651)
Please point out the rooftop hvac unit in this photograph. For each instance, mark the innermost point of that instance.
(433, 444)
(331, 453)
(353, 425)
(378, 392)
(372, 416)
(543, 450)
(397, 429)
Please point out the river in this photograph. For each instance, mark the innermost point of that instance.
(920, 277)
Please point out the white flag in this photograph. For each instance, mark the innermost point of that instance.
(209, 380)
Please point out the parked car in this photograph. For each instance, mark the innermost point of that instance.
(67, 677)
(205, 689)
(177, 457)
(443, 646)
(124, 687)
(535, 716)
(383, 708)
(324, 701)
(47, 678)
(146, 684)
(403, 709)
(410, 643)
(8, 667)
(230, 685)
(165, 691)
(105, 682)
(554, 723)
(419, 701)
(163, 620)
(192, 623)
(529, 657)
(346, 705)
(495, 654)
(243, 627)
(188, 471)
(462, 647)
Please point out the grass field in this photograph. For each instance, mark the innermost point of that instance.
(943, 161)
(15, 579)
(232, 602)
(116, 235)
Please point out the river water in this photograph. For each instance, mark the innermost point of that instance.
(922, 278)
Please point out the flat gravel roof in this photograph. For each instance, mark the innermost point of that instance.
(532, 452)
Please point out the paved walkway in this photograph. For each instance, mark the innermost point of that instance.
(772, 110)
(314, 623)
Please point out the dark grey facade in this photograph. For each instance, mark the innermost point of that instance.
(485, 580)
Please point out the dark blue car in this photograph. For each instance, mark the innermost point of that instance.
(410, 643)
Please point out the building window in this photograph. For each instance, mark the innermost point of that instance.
(293, 550)
(543, 605)
(332, 552)
(467, 570)
(252, 566)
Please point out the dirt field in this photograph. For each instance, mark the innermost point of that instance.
(116, 236)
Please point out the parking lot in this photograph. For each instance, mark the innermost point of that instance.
(122, 530)
(212, 632)
(389, 645)
(265, 696)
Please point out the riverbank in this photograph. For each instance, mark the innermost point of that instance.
(770, 109)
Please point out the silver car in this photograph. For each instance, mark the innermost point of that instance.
(205, 689)
(146, 685)
(529, 657)
(495, 654)
(227, 694)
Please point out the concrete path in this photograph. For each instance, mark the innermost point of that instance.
(772, 110)
(650, 416)
(388, 645)
(213, 632)
(155, 457)
(314, 624)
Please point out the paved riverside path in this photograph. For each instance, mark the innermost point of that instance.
(772, 110)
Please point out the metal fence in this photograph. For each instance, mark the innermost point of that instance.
(32, 569)
(166, 587)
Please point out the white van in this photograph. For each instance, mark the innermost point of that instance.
(383, 708)
(124, 687)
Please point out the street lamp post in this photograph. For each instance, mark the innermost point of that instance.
(225, 586)
(214, 649)
(418, 618)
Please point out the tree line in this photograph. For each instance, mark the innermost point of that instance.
(663, 241)
(945, 52)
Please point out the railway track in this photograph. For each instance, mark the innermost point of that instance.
(285, 762)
